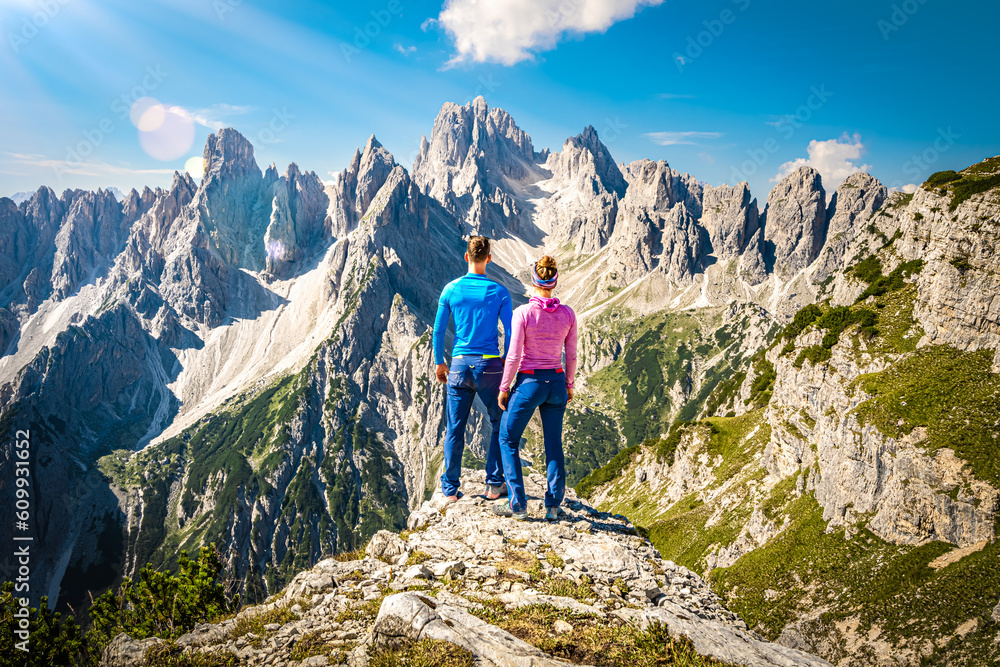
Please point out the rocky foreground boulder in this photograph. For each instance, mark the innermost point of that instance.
(459, 566)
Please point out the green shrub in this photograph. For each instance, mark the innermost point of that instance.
(160, 604)
(53, 640)
(869, 269)
(816, 354)
(763, 384)
(961, 263)
(941, 178)
(968, 188)
(879, 284)
(156, 604)
(801, 321)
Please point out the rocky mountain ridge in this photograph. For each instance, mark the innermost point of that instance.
(440, 580)
(872, 419)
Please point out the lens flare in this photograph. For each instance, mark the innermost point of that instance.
(195, 166)
(147, 113)
(172, 138)
(275, 249)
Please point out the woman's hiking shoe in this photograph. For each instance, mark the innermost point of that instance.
(503, 509)
(449, 500)
(552, 514)
(496, 492)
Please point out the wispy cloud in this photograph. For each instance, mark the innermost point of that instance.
(780, 121)
(512, 31)
(674, 96)
(214, 117)
(405, 50)
(80, 168)
(680, 138)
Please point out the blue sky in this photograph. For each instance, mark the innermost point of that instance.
(724, 89)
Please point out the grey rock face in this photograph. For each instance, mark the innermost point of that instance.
(123, 651)
(298, 212)
(232, 202)
(585, 155)
(473, 154)
(653, 229)
(91, 234)
(100, 380)
(355, 187)
(852, 207)
(730, 215)
(590, 184)
(795, 221)
(957, 302)
(687, 189)
(902, 490)
(680, 244)
(752, 267)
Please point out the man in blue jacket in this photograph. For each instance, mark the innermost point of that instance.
(476, 303)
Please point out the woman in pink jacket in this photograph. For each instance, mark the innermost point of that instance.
(534, 377)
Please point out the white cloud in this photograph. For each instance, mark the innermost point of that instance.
(511, 31)
(213, 116)
(834, 159)
(909, 188)
(405, 50)
(680, 138)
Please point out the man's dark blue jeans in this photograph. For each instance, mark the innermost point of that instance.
(471, 375)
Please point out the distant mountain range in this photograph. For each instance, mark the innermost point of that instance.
(19, 197)
(247, 361)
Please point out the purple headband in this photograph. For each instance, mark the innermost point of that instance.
(544, 284)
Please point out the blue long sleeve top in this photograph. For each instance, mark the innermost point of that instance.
(476, 303)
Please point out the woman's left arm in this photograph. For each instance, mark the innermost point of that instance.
(571, 352)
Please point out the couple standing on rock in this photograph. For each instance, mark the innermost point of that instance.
(528, 375)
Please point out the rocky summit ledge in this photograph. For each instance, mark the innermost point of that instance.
(458, 566)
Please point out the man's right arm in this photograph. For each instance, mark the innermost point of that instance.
(440, 328)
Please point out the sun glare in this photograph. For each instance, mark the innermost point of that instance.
(195, 166)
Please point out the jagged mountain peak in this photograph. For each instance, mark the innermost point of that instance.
(229, 152)
(470, 162)
(731, 217)
(586, 152)
(372, 144)
(795, 221)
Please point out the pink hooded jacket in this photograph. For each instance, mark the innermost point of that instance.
(539, 331)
